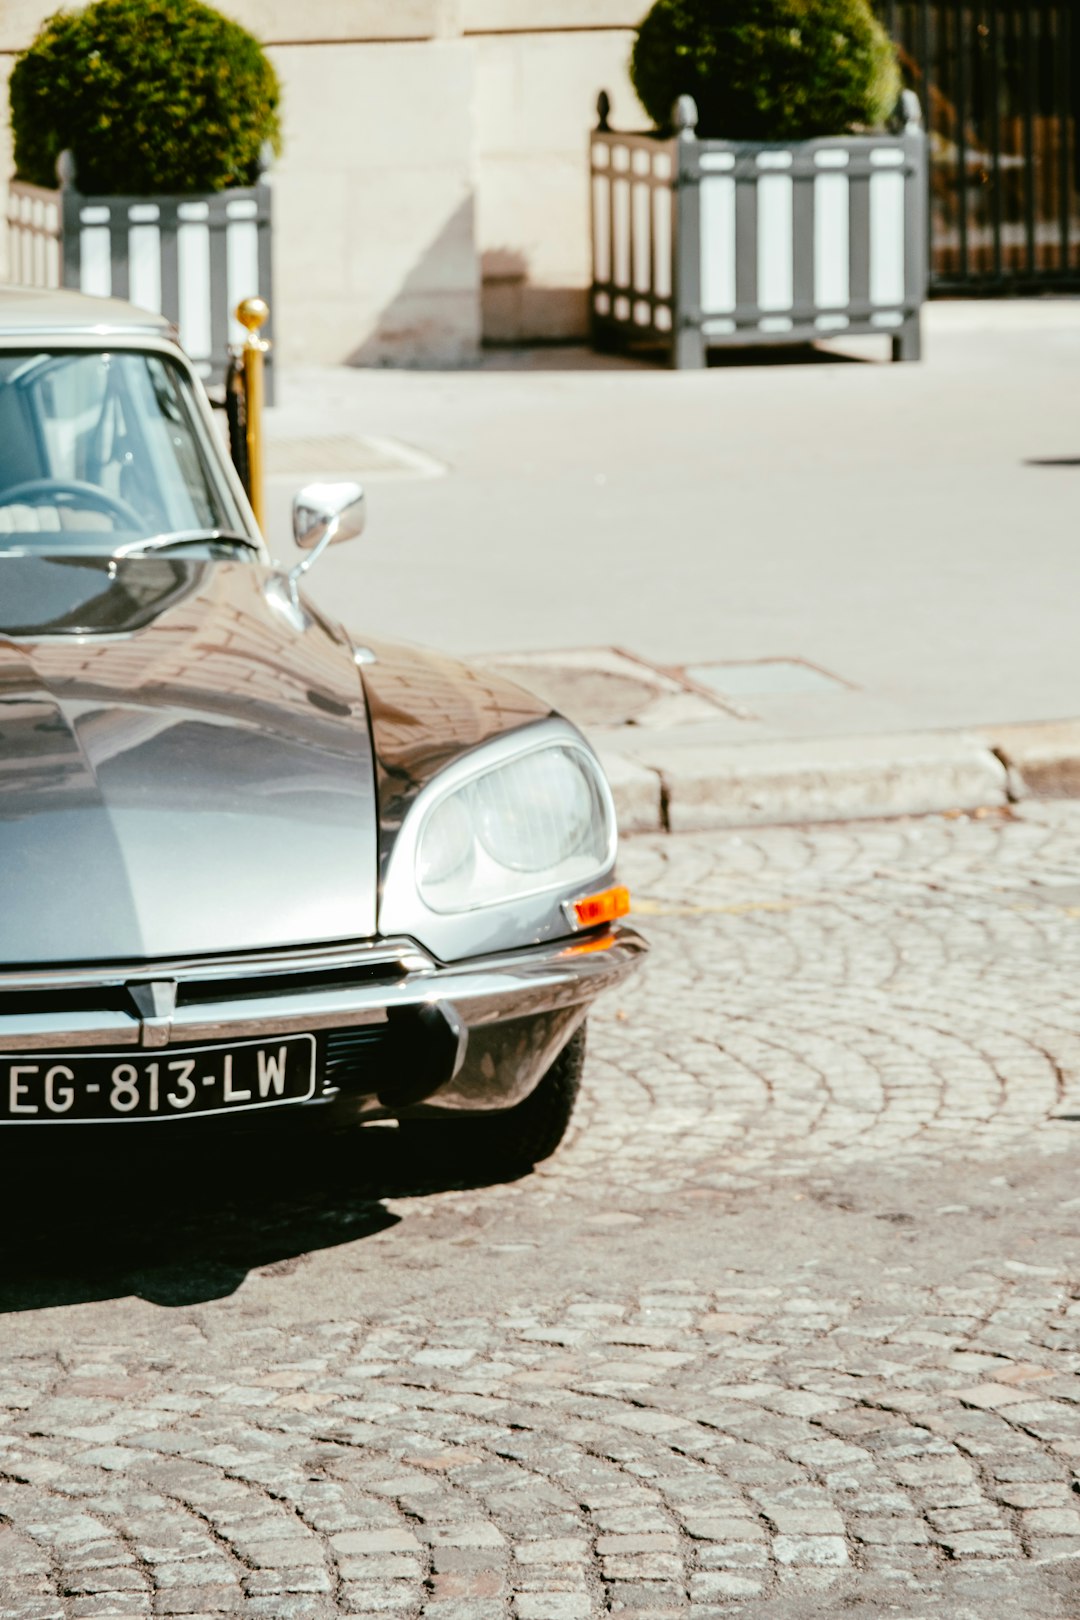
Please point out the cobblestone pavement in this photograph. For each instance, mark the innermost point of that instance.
(790, 1327)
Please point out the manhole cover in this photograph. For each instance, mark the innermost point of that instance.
(765, 677)
(593, 697)
(599, 686)
(345, 456)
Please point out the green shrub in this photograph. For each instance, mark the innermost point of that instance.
(148, 95)
(767, 70)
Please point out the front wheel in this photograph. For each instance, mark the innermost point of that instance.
(496, 1144)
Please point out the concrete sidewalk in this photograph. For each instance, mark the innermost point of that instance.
(859, 579)
(680, 762)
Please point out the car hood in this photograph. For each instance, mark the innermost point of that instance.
(183, 769)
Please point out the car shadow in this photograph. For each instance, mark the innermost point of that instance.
(179, 1227)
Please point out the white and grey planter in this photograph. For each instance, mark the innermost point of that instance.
(191, 258)
(700, 243)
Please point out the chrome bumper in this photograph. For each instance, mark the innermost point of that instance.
(490, 1000)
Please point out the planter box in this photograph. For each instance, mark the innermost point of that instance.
(698, 243)
(191, 258)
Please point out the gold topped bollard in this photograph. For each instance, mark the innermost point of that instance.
(253, 314)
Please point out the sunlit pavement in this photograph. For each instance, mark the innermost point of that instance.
(907, 529)
(790, 1326)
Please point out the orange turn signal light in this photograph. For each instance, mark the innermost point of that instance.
(593, 909)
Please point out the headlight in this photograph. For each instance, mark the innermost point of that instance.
(537, 822)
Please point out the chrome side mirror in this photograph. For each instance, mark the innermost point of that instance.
(323, 514)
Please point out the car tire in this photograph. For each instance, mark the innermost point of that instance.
(498, 1144)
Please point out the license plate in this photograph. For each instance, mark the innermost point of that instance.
(172, 1083)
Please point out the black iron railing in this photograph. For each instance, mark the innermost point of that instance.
(1000, 88)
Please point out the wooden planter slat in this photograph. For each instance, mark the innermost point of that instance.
(698, 243)
(190, 258)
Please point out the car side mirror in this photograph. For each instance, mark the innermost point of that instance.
(323, 514)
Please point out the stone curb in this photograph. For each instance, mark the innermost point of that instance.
(683, 788)
(637, 791)
(1043, 759)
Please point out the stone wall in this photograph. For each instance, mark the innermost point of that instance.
(433, 188)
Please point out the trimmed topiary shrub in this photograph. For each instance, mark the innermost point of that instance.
(767, 70)
(148, 95)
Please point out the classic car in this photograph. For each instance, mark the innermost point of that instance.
(253, 869)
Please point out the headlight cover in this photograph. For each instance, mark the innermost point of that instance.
(540, 820)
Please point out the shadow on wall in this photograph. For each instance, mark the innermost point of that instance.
(516, 311)
(434, 317)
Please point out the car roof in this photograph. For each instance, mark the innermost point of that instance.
(30, 310)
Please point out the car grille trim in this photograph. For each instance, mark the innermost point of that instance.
(211, 998)
(484, 990)
(391, 958)
(348, 1054)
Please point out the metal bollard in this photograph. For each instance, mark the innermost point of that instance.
(252, 314)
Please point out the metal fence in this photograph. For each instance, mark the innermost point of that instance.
(703, 242)
(190, 258)
(1000, 83)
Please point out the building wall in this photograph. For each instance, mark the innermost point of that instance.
(535, 102)
(433, 185)
(375, 230)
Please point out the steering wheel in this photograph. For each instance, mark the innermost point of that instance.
(72, 492)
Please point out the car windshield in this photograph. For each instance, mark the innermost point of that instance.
(103, 451)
